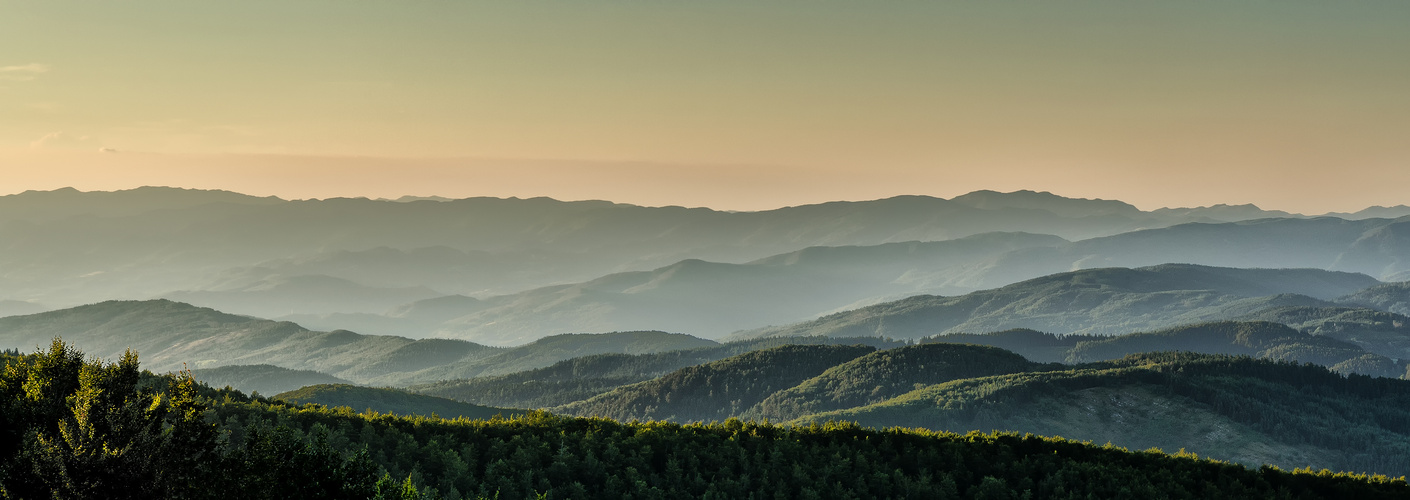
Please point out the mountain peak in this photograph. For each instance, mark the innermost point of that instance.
(1043, 200)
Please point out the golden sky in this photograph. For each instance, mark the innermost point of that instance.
(1296, 105)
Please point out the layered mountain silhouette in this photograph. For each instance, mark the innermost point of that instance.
(66, 248)
(1095, 301)
(172, 336)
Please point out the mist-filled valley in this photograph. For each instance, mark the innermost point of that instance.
(1243, 343)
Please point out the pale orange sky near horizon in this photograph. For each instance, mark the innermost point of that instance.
(1296, 105)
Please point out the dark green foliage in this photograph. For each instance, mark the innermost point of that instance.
(276, 463)
(545, 456)
(76, 429)
(720, 389)
(580, 378)
(1379, 332)
(882, 375)
(390, 401)
(566, 381)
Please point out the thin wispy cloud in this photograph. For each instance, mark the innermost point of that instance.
(26, 68)
(22, 72)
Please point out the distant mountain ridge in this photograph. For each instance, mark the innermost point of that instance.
(1094, 301)
(173, 335)
(157, 241)
(710, 299)
(706, 299)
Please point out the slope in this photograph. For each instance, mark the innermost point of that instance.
(885, 374)
(280, 295)
(173, 335)
(1250, 411)
(1258, 339)
(717, 390)
(580, 378)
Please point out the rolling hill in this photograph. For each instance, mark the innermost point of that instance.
(580, 378)
(716, 390)
(173, 335)
(885, 374)
(706, 299)
(1241, 409)
(712, 299)
(280, 295)
(1094, 301)
(1238, 408)
(158, 241)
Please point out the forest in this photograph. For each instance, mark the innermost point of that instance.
(77, 428)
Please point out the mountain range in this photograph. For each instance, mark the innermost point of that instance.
(1255, 336)
(66, 248)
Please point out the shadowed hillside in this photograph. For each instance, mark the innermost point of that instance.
(1250, 411)
(885, 374)
(717, 390)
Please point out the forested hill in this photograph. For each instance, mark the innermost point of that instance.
(1232, 407)
(717, 390)
(583, 377)
(197, 443)
(1258, 339)
(1235, 408)
(885, 374)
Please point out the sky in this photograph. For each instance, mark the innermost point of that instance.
(1294, 105)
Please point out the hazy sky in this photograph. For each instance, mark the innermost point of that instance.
(1296, 105)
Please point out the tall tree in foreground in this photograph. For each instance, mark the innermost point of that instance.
(76, 429)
